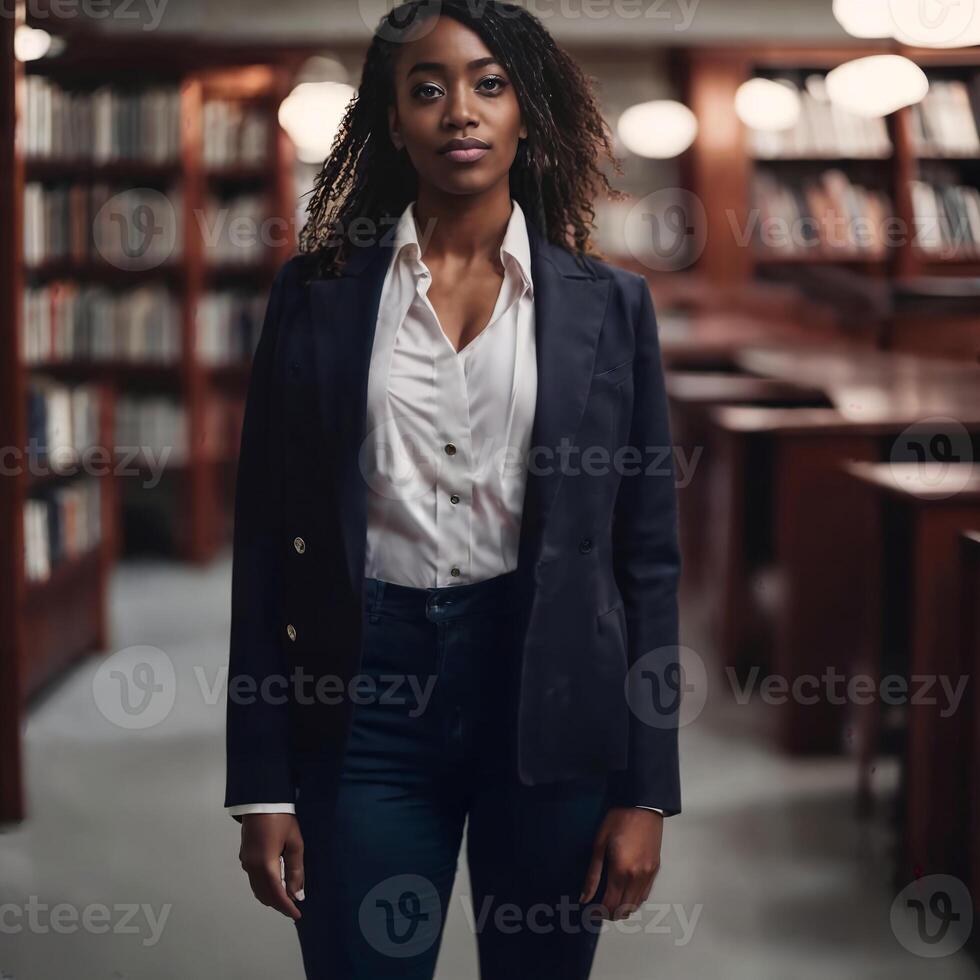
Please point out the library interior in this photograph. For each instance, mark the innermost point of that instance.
(801, 194)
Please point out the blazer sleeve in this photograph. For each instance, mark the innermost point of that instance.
(257, 738)
(646, 560)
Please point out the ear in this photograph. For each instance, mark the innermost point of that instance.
(522, 132)
(393, 127)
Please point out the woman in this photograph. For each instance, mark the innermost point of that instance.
(455, 558)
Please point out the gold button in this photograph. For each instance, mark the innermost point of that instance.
(299, 544)
(291, 631)
(450, 449)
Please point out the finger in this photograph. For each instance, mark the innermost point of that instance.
(292, 857)
(613, 896)
(594, 872)
(268, 888)
(633, 896)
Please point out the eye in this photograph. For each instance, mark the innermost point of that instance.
(500, 83)
(427, 87)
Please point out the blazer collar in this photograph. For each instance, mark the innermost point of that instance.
(569, 305)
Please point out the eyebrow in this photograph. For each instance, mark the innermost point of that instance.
(438, 66)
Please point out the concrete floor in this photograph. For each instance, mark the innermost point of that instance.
(766, 875)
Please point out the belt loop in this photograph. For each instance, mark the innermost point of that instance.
(377, 592)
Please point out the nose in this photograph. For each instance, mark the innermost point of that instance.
(459, 111)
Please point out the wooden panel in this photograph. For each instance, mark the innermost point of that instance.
(11, 426)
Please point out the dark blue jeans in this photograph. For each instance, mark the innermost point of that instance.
(432, 743)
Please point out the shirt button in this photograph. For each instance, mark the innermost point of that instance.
(291, 631)
(454, 571)
(299, 544)
(450, 449)
(454, 499)
(585, 545)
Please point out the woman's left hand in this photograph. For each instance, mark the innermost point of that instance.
(629, 841)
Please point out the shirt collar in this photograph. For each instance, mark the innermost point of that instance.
(516, 245)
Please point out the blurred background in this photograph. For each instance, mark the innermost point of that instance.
(804, 201)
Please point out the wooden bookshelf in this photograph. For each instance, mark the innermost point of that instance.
(46, 621)
(12, 421)
(721, 166)
(45, 625)
(200, 76)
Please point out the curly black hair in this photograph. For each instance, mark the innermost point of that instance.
(554, 178)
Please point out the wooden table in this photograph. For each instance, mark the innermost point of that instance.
(692, 395)
(791, 534)
(786, 563)
(710, 340)
(922, 513)
(867, 385)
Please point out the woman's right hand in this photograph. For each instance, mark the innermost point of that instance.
(265, 838)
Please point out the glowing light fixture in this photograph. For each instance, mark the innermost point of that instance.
(764, 104)
(660, 129)
(311, 114)
(865, 18)
(30, 43)
(877, 85)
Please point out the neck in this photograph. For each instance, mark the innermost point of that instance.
(463, 227)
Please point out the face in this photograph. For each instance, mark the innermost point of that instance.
(456, 111)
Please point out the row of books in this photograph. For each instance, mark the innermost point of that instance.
(101, 125)
(65, 321)
(822, 130)
(151, 426)
(63, 423)
(946, 121)
(62, 420)
(228, 326)
(61, 523)
(828, 214)
(132, 229)
(947, 218)
(234, 134)
(154, 429)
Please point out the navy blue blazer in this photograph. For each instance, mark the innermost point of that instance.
(598, 555)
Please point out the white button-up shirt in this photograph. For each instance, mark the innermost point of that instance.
(448, 432)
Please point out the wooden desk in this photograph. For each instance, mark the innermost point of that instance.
(867, 385)
(692, 395)
(922, 512)
(791, 534)
(787, 559)
(710, 340)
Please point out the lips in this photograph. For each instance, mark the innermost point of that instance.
(465, 150)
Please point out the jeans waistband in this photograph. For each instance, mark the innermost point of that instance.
(497, 594)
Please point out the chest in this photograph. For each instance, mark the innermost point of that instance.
(463, 313)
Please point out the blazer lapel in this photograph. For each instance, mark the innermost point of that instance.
(569, 305)
(345, 313)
